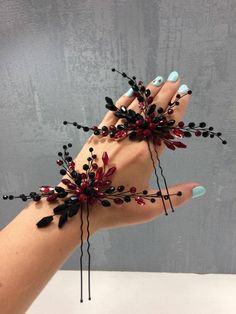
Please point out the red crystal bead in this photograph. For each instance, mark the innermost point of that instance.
(132, 189)
(170, 111)
(83, 175)
(198, 133)
(178, 133)
(181, 124)
(139, 200)
(120, 135)
(112, 127)
(150, 100)
(105, 158)
(118, 201)
(46, 189)
(152, 126)
(82, 198)
(179, 144)
(71, 165)
(65, 181)
(99, 173)
(106, 183)
(94, 166)
(138, 122)
(72, 186)
(110, 171)
(52, 197)
(146, 132)
(84, 185)
(59, 162)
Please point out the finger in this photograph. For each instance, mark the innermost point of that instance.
(179, 111)
(124, 100)
(137, 214)
(167, 91)
(154, 86)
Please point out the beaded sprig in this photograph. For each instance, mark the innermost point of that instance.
(152, 124)
(91, 186)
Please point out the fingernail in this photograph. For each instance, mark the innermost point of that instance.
(130, 92)
(198, 191)
(183, 89)
(158, 81)
(173, 77)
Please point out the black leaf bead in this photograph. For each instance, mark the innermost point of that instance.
(37, 198)
(109, 100)
(44, 222)
(111, 107)
(110, 190)
(120, 188)
(62, 220)
(60, 209)
(73, 210)
(151, 109)
(127, 199)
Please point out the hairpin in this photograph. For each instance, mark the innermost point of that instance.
(151, 124)
(82, 189)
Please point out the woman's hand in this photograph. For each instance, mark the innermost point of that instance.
(133, 162)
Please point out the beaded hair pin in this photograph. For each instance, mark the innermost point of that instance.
(151, 124)
(91, 186)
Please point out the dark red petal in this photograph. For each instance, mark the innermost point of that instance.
(110, 172)
(120, 135)
(132, 189)
(52, 197)
(178, 133)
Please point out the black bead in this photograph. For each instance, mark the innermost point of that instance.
(160, 110)
(74, 123)
(69, 145)
(78, 126)
(73, 210)
(86, 129)
(64, 147)
(105, 203)
(91, 149)
(224, 142)
(145, 192)
(97, 132)
(202, 124)
(59, 189)
(127, 199)
(211, 128)
(37, 198)
(187, 134)
(110, 190)
(85, 167)
(218, 133)
(205, 134)
(140, 99)
(59, 154)
(69, 158)
(62, 220)
(104, 128)
(179, 193)
(91, 175)
(151, 109)
(147, 93)
(89, 158)
(11, 197)
(191, 124)
(5, 197)
(62, 172)
(32, 194)
(62, 194)
(153, 200)
(120, 188)
(94, 156)
(65, 122)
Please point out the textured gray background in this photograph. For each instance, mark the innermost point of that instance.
(55, 60)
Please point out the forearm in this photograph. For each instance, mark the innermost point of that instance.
(29, 256)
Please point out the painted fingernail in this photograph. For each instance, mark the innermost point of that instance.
(183, 89)
(198, 191)
(173, 77)
(158, 81)
(130, 92)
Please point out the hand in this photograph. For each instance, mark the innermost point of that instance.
(133, 163)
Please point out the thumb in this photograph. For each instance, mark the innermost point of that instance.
(189, 190)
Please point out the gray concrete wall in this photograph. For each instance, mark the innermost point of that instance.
(55, 60)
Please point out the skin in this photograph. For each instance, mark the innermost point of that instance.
(31, 256)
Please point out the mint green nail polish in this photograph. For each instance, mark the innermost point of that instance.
(130, 92)
(183, 89)
(158, 81)
(173, 77)
(198, 191)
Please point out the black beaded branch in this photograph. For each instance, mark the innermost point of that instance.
(84, 188)
(152, 124)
